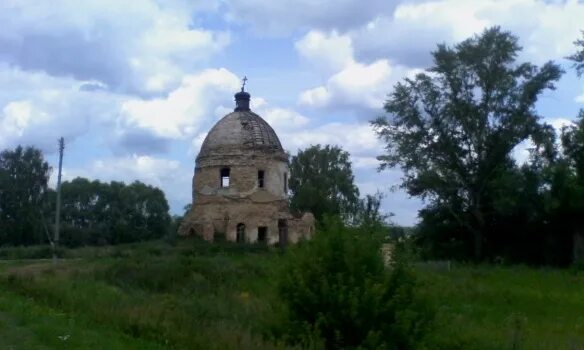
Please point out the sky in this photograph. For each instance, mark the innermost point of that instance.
(134, 86)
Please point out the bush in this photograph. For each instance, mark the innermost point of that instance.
(337, 288)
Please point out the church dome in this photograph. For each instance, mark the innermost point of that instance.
(241, 131)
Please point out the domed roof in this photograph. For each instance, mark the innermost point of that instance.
(239, 131)
(242, 129)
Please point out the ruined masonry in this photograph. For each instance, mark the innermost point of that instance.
(240, 186)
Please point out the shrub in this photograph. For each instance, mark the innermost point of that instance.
(336, 287)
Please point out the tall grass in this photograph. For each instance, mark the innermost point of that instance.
(188, 297)
(222, 296)
(494, 307)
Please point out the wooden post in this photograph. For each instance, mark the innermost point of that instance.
(58, 211)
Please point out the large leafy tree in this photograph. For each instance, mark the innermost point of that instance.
(452, 128)
(322, 182)
(24, 175)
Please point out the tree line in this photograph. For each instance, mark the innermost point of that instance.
(93, 212)
(99, 213)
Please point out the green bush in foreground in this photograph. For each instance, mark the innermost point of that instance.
(337, 289)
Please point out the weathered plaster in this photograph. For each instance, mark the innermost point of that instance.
(244, 143)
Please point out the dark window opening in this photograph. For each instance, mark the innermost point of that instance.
(261, 178)
(262, 234)
(285, 183)
(240, 233)
(224, 177)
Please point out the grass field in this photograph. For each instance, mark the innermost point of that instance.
(202, 296)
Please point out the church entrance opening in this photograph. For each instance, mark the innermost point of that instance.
(262, 234)
(240, 233)
(282, 232)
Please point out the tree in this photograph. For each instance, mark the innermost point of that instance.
(322, 182)
(23, 187)
(452, 128)
(578, 57)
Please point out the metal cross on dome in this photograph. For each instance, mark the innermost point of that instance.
(244, 81)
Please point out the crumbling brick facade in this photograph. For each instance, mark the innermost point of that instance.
(240, 185)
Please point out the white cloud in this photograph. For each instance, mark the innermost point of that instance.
(155, 171)
(358, 139)
(36, 109)
(282, 118)
(357, 84)
(364, 62)
(328, 52)
(353, 84)
(579, 99)
(182, 112)
(413, 29)
(141, 46)
(279, 118)
(270, 17)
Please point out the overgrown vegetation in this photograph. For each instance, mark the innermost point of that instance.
(453, 130)
(337, 288)
(225, 296)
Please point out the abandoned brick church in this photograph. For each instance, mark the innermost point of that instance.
(240, 185)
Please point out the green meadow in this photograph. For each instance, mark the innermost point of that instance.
(197, 295)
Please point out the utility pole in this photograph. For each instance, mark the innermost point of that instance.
(58, 212)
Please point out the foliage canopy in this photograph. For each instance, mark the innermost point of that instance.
(322, 182)
(24, 176)
(452, 129)
(337, 288)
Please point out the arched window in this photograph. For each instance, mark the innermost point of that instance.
(240, 233)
